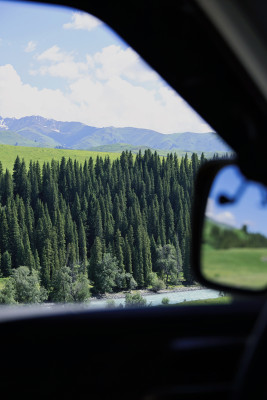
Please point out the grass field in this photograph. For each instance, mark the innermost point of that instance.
(238, 267)
(8, 155)
(217, 301)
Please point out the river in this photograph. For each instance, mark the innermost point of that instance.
(155, 299)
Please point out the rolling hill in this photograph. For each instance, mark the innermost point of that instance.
(36, 131)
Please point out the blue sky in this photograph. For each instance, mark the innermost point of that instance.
(248, 210)
(67, 65)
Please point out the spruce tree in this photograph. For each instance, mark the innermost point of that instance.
(46, 263)
(96, 258)
(4, 240)
(6, 264)
(7, 189)
(15, 238)
(82, 246)
(28, 258)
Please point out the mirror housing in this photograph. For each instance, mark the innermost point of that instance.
(223, 250)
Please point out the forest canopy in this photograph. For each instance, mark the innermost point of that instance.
(106, 225)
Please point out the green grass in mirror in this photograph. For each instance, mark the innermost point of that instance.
(245, 268)
(234, 257)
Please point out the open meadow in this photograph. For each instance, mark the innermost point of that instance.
(239, 267)
(8, 155)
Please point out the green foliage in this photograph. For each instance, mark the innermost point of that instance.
(135, 300)
(81, 289)
(27, 288)
(167, 264)
(8, 293)
(155, 282)
(106, 272)
(165, 301)
(70, 286)
(221, 236)
(6, 264)
(130, 281)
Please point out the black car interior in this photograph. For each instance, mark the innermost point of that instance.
(182, 352)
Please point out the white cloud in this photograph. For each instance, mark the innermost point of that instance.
(111, 62)
(54, 54)
(114, 61)
(18, 99)
(119, 103)
(58, 63)
(225, 217)
(114, 101)
(84, 21)
(69, 70)
(209, 212)
(31, 46)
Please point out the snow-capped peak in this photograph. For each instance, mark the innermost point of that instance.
(3, 125)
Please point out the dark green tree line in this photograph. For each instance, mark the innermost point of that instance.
(104, 217)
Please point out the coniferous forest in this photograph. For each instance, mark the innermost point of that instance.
(103, 225)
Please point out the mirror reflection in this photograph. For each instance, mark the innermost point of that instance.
(234, 246)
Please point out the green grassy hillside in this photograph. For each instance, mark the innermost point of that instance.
(240, 267)
(8, 155)
(119, 147)
(233, 256)
(13, 138)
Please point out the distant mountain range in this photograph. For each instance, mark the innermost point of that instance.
(41, 132)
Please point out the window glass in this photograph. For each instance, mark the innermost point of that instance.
(98, 158)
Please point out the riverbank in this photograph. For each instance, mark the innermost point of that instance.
(175, 295)
(147, 292)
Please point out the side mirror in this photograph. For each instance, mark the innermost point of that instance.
(229, 243)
